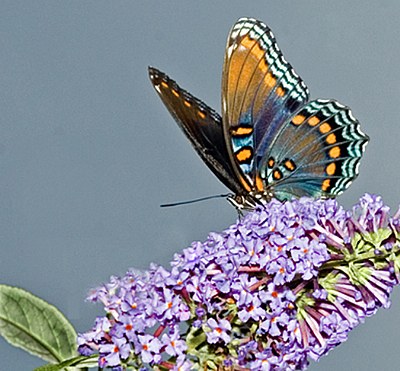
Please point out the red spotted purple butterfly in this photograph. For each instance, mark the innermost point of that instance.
(271, 140)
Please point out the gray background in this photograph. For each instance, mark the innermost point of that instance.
(88, 152)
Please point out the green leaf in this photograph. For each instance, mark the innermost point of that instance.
(36, 326)
(80, 362)
(195, 338)
(376, 238)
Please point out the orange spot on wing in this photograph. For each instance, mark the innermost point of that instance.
(245, 184)
(187, 103)
(259, 183)
(271, 163)
(242, 130)
(277, 175)
(334, 152)
(244, 155)
(325, 128)
(331, 138)
(174, 92)
(201, 114)
(289, 165)
(326, 184)
(164, 84)
(298, 119)
(331, 168)
(280, 91)
(312, 121)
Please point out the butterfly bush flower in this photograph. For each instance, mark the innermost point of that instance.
(281, 287)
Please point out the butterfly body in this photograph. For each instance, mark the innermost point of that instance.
(271, 141)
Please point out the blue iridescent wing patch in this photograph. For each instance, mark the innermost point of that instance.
(271, 140)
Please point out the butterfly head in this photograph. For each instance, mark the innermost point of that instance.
(249, 201)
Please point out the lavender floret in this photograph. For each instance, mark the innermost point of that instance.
(282, 286)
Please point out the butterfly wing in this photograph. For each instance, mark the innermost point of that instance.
(279, 143)
(316, 153)
(201, 124)
(260, 90)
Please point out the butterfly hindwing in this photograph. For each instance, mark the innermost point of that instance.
(201, 124)
(259, 91)
(316, 153)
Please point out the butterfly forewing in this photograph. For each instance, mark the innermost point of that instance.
(259, 91)
(201, 124)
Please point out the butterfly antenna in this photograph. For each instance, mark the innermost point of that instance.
(195, 200)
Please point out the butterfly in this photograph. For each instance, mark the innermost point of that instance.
(271, 141)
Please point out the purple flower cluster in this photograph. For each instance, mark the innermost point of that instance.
(283, 285)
